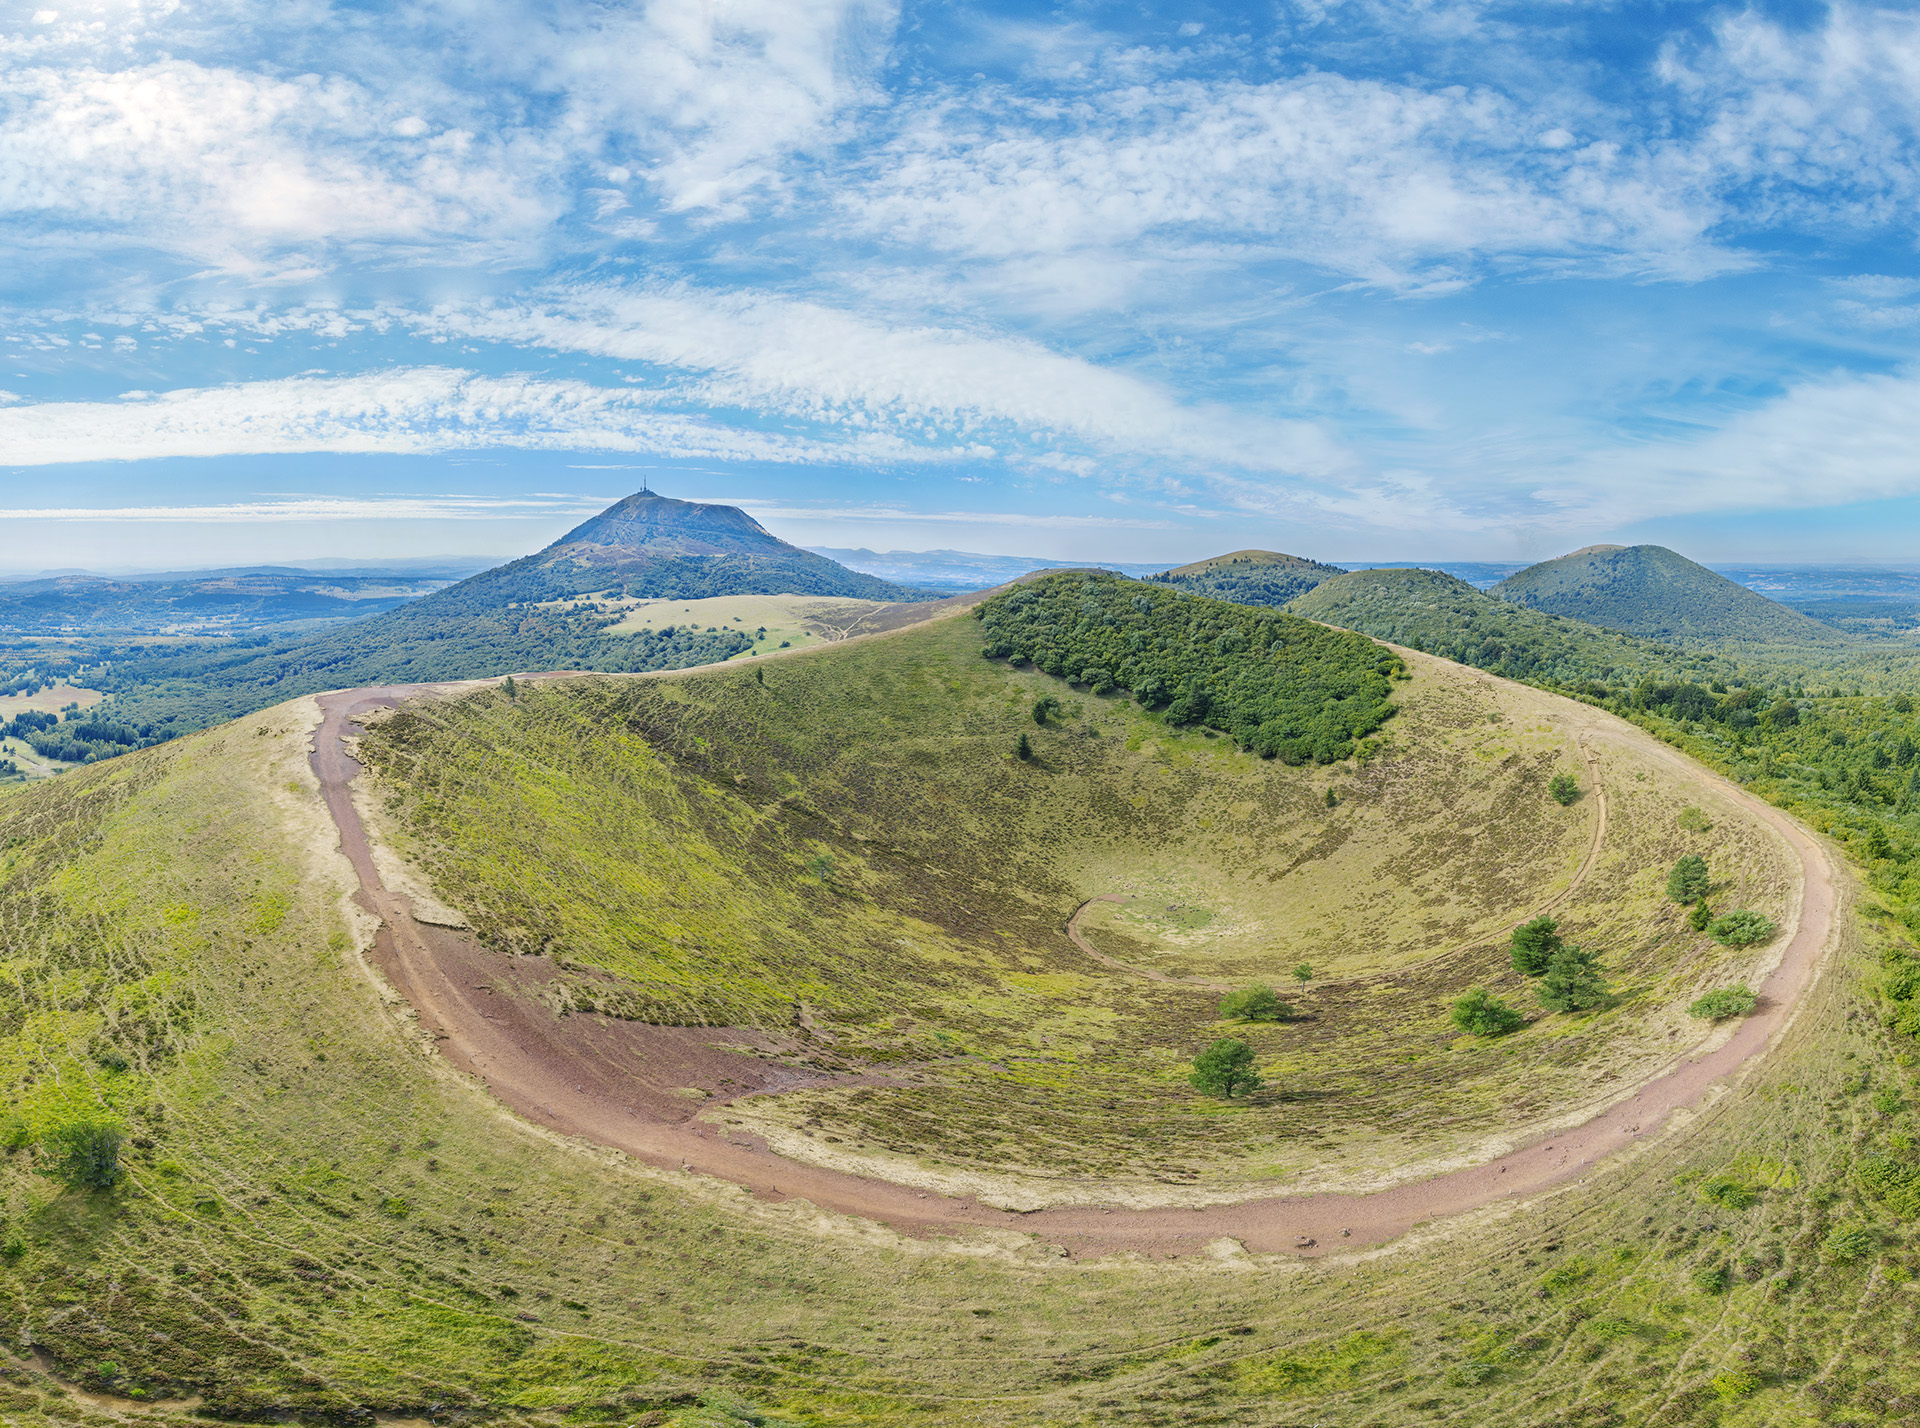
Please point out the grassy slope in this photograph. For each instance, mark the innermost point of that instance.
(667, 831)
(262, 1232)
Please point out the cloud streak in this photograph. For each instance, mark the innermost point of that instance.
(406, 410)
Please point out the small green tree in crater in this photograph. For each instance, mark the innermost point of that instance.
(1255, 1003)
(85, 1154)
(1689, 881)
(1225, 1069)
(1534, 944)
(1564, 788)
(1480, 1013)
(1573, 981)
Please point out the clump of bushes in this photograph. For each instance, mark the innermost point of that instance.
(1744, 928)
(1479, 1013)
(1846, 1243)
(1724, 1003)
(85, 1154)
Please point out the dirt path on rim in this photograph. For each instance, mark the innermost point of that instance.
(565, 1073)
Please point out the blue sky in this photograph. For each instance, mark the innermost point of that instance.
(1386, 280)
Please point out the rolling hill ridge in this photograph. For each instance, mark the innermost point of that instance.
(1651, 591)
(1250, 577)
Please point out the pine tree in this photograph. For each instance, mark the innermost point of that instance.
(1689, 881)
(1573, 981)
(1024, 749)
(1534, 944)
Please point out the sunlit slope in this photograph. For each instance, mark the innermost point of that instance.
(324, 1224)
(1432, 611)
(848, 840)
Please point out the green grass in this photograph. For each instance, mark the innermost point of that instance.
(671, 832)
(255, 1256)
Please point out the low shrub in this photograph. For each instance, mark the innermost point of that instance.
(1744, 928)
(1480, 1013)
(85, 1154)
(1724, 1003)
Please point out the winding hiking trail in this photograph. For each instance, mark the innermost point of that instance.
(577, 1075)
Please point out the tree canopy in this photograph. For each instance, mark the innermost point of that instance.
(1283, 687)
(1225, 1069)
(1533, 945)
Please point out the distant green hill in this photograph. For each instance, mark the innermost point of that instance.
(1250, 577)
(1649, 590)
(528, 614)
(1429, 611)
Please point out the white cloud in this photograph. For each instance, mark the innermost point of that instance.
(896, 515)
(1832, 442)
(1366, 178)
(321, 508)
(230, 168)
(707, 101)
(922, 382)
(1815, 126)
(417, 409)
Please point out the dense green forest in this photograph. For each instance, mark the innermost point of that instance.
(1250, 577)
(1282, 686)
